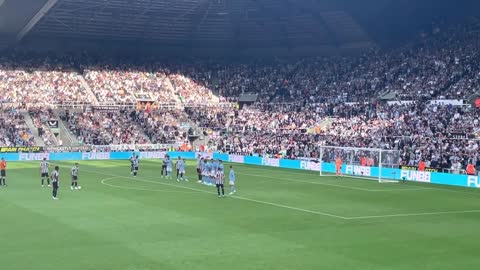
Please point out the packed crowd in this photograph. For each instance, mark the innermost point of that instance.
(102, 128)
(13, 130)
(127, 83)
(40, 116)
(39, 80)
(443, 64)
(438, 134)
(162, 126)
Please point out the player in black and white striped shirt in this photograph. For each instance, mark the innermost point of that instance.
(219, 182)
(135, 166)
(131, 162)
(55, 182)
(74, 173)
(44, 172)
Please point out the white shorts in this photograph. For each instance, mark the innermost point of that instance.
(169, 169)
(232, 183)
(181, 171)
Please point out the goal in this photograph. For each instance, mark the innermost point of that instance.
(364, 163)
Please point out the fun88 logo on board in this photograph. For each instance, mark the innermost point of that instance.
(33, 156)
(95, 155)
(271, 162)
(236, 158)
(310, 165)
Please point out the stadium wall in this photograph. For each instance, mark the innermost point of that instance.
(387, 173)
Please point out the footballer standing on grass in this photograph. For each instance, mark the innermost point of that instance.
(219, 182)
(169, 168)
(44, 172)
(55, 182)
(231, 178)
(3, 172)
(131, 162)
(135, 166)
(164, 166)
(177, 167)
(199, 168)
(74, 173)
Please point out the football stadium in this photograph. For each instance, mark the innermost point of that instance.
(239, 134)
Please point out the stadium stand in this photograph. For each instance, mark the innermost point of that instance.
(302, 103)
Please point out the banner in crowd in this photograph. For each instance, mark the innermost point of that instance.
(21, 149)
(415, 168)
(408, 173)
(106, 108)
(457, 135)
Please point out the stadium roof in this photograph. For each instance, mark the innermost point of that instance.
(227, 23)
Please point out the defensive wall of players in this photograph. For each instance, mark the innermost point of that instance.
(461, 180)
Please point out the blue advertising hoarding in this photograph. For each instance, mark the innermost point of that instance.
(387, 173)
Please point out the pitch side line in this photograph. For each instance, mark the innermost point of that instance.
(416, 214)
(234, 197)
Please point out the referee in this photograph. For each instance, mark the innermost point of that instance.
(55, 182)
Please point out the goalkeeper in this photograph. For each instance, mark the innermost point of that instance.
(338, 166)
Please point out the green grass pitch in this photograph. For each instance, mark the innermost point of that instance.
(279, 219)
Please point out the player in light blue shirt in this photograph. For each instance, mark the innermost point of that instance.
(206, 172)
(213, 171)
(220, 166)
(169, 168)
(181, 169)
(231, 179)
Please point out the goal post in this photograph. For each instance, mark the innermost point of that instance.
(364, 163)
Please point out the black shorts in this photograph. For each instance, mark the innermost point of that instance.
(45, 175)
(199, 172)
(164, 167)
(135, 168)
(219, 185)
(3, 173)
(55, 184)
(74, 178)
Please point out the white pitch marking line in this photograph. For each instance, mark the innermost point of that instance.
(235, 197)
(334, 185)
(104, 182)
(416, 214)
(400, 189)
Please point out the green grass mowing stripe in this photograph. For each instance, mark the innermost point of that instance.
(235, 197)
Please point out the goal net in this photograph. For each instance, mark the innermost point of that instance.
(364, 163)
